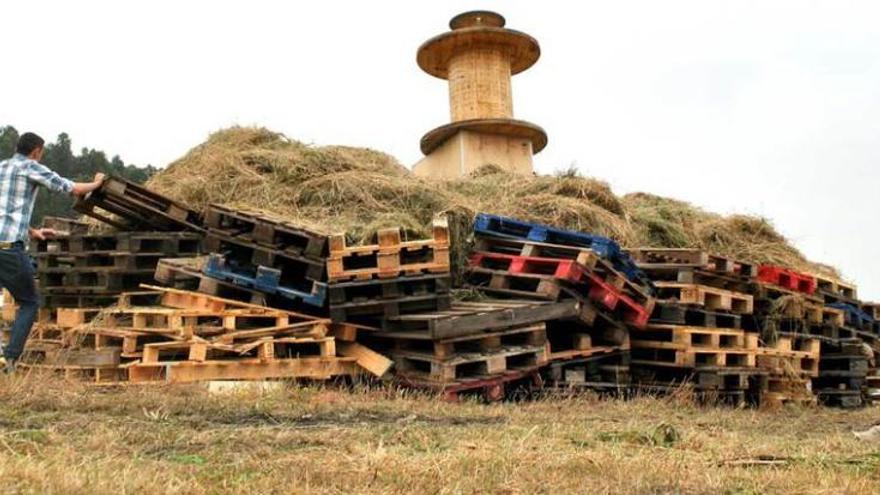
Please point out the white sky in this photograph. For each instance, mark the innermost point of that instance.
(762, 107)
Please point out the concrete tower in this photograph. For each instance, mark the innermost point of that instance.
(478, 57)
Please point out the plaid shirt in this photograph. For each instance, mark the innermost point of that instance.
(19, 178)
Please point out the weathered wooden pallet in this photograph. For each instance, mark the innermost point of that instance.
(469, 318)
(123, 261)
(92, 280)
(265, 349)
(64, 299)
(661, 354)
(150, 242)
(606, 369)
(688, 275)
(471, 365)
(128, 206)
(369, 302)
(658, 260)
(687, 338)
(585, 257)
(375, 313)
(710, 298)
(96, 375)
(534, 335)
(266, 230)
(318, 368)
(680, 314)
(572, 339)
(548, 287)
(173, 320)
(834, 287)
(522, 286)
(296, 270)
(390, 257)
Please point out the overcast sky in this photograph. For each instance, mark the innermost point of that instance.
(762, 107)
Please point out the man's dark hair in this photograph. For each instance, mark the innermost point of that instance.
(28, 142)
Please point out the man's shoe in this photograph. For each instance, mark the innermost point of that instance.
(8, 366)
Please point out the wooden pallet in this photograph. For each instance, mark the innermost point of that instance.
(468, 366)
(469, 318)
(607, 369)
(390, 257)
(659, 354)
(680, 314)
(573, 339)
(835, 287)
(656, 260)
(149, 242)
(370, 302)
(97, 375)
(534, 335)
(710, 298)
(319, 368)
(688, 338)
(128, 206)
(122, 261)
(101, 280)
(266, 230)
(550, 288)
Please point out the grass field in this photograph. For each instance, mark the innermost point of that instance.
(67, 438)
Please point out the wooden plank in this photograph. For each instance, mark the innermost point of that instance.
(366, 358)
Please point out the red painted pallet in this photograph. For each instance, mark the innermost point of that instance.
(786, 278)
(634, 312)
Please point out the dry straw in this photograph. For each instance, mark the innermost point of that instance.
(357, 191)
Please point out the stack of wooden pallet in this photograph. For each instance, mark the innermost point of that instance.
(591, 349)
(369, 284)
(77, 268)
(168, 335)
(805, 309)
(91, 270)
(705, 325)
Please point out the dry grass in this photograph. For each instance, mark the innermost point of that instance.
(339, 189)
(63, 438)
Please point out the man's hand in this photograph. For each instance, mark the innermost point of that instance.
(80, 189)
(42, 234)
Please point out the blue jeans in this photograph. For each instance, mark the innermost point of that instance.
(17, 276)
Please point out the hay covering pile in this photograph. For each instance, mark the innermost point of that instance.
(341, 189)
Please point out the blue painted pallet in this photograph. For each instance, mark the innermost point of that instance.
(265, 279)
(853, 315)
(495, 225)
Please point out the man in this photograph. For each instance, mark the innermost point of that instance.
(19, 178)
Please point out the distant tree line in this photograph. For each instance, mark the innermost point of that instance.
(78, 167)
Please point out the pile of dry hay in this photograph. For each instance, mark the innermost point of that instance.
(336, 188)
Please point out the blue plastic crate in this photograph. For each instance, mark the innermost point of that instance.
(263, 279)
